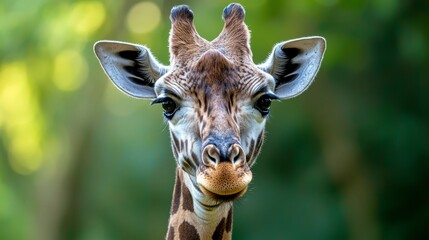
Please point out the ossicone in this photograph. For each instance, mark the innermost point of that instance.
(233, 11)
(181, 12)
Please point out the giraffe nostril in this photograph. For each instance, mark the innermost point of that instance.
(236, 154)
(210, 156)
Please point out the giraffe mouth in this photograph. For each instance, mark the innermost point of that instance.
(223, 198)
(224, 182)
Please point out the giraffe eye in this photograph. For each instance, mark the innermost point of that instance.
(264, 102)
(169, 106)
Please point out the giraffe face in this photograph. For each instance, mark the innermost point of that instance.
(216, 110)
(215, 99)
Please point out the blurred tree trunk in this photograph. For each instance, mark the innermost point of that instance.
(60, 185)
(343, 160)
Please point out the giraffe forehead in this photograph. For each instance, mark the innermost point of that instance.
(216, 79)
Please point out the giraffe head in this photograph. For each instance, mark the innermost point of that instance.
(215, 99)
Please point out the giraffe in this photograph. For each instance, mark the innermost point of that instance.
(216, 102)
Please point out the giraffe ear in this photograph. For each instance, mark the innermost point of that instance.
(131, 67)
(294, 65)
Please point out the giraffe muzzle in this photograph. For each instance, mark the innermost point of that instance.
(224, 173)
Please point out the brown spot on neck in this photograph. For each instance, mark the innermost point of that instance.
(188, 232)
(188, 203)
(176, 195)
(220, 229)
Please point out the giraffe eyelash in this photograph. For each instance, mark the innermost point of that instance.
(263, 103)
(168, 104)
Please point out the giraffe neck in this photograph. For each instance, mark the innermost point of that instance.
(194, 216)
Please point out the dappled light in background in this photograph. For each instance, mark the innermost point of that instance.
(346, 160)
(22, 121)
(143, 17)
(86, 17)
(70, 70)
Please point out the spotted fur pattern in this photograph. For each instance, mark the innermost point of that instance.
(193, 218)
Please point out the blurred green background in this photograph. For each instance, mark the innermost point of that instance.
(348, 159)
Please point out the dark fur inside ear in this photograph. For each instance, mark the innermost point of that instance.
(137, 70)
(286, 70)
(129, 54)
(288, 78)
(291, 52)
